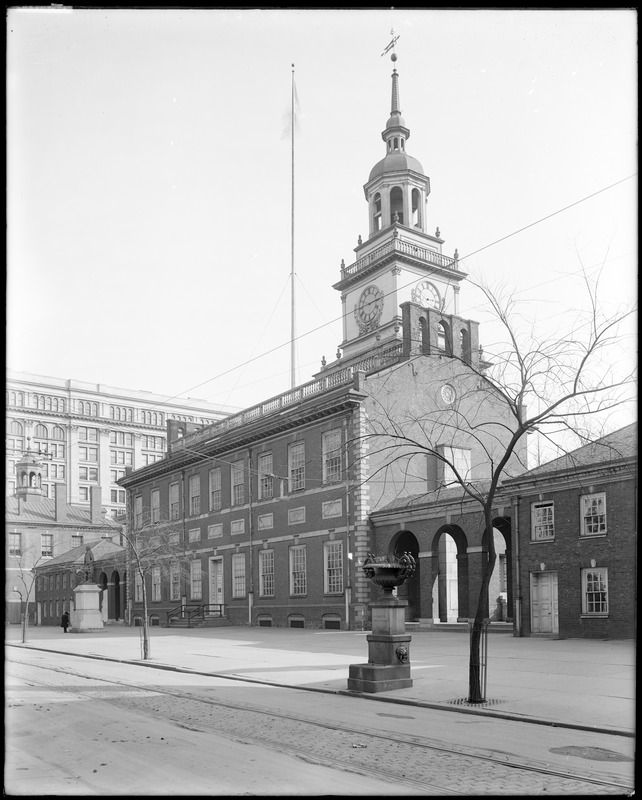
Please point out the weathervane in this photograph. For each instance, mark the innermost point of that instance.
(392, 44)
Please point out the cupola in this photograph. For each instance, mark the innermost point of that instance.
(29, 473)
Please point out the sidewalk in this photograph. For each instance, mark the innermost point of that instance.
(579, 683)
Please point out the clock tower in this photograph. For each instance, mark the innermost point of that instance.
(400, 261)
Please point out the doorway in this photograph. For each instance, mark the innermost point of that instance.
(544, 608)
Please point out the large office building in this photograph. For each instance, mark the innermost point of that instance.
(270, 508)
(87, 434)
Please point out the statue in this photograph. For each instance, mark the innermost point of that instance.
(89, 564)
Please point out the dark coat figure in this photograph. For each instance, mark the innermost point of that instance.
(64, 622)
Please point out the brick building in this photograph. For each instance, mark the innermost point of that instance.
(38, 529)
(272, 504)
(576, 549)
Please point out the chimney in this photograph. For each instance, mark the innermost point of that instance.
(95, 505)
(60, 498)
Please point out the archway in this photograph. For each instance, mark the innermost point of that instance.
(450, 585)
(500, 589)
(102, 585)
(406, 542)
(114, 596)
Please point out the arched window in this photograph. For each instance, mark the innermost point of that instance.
(41, 432)
(12, 398)
(377, 212)
(443, 338)
(464, 342)
(58, 433)
(15, 428)
(416, 208)
(48, 403)
(396, 204)
(425, 338)
(112, 412)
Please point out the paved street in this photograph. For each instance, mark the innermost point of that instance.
(93, 726)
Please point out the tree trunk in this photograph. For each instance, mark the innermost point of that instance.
(145, 626)
(475, 694)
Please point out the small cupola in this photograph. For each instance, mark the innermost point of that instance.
(29, 473)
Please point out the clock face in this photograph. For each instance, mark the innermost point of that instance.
(426, 295)
(448, 394)
(370, 305)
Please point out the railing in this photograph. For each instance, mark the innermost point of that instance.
(192, 612)
(272, 406)
(399, 246)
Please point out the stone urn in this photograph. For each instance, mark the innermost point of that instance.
(389, 571)
(388, 664)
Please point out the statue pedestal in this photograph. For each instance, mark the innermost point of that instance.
(388, 664)
(87, 617)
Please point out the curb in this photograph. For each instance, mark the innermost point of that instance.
(339, 692)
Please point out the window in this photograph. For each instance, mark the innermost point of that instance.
(84, 473)
(138, 583)
(138, 512)
(238, 487)
(542, 521)
(238, 575)
(265, 521)
(237, 526)
(266, 573)
(195, 580)
(266, 489)
(215, 489)
(331, 446)
(76, 539)
(83, 493)
(333, 566)
(155, 504)
(174, 538)
(88, 453)
(214, 531)
(15, 544)
(296, 466)
(332, 508)
(195, 534)
(86, 434)
(175, 581)
(298, 572)
(460, 460)
(116, 475)
(593, 521)
(117, 495)
(195, 495)
(121, 439)
(123, 457)
(156, 584)
(46, 544)
(595, 591)
(296, 515)
(174, 501)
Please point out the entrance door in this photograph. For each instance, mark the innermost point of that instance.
(544, 612)
(217, 595)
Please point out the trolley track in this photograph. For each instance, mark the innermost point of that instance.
(417, 761)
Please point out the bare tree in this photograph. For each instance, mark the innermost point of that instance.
(568, 382)
(25, 565)
(154, 546)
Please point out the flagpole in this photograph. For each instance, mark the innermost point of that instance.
(292, 320)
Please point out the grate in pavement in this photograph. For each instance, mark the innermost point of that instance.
(463, 701)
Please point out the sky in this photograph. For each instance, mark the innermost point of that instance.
(150, 240)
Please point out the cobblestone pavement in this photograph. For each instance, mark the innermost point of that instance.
(413, 761)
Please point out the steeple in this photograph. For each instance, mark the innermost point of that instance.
(29, 473)
(397, 188)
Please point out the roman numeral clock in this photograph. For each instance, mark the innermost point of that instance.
(369, 309)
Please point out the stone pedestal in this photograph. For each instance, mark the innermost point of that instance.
(87, 617)
(388, 664)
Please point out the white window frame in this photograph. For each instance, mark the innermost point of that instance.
(591, 589)
(46, 545)
(237, 480)
(155, 505)
(174, 501)
(543, 521)
(587, 512)
(215, 489)
(331, 449)
(238, 575)
(296, 467)
(298, 570)
(460, 458)
(174, 581)
(196, 580)
(266, 573)
(266, 478)
(156, 584)
(333, 567)
(194, 495)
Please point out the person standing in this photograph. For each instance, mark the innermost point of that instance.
(64, 622)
